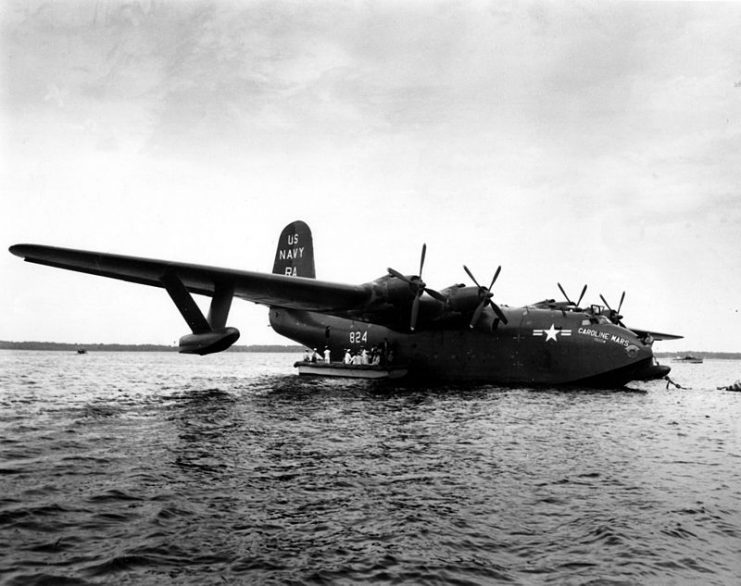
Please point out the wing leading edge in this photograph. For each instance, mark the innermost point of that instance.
(264, 288)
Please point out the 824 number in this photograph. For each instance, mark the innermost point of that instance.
(358, 337)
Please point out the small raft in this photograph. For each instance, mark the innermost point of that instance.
(339, 369)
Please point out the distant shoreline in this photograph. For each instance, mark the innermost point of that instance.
(67, 347)
(711, 355)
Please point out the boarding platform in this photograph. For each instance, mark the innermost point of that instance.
(341, 370)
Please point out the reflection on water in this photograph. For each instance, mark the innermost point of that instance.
(152, 468)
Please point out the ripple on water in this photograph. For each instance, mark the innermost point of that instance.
(145, 469)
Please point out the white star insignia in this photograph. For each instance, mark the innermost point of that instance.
(551, 333)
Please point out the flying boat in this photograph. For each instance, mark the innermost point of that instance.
(454, 334)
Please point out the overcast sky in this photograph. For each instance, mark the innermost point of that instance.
(593, 143)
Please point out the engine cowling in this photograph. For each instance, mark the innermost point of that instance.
(209, 342)
(463, 299)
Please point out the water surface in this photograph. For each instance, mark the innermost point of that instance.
(161, 468)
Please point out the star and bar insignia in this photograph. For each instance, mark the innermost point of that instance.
(552, 333)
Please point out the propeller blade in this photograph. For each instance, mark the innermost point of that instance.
(435, 295)
(470, 274)
(494, 278)
(415, 313)
(622, 298)
(418, 287)
(498, 311)
(477, 313)
(398, 275)
(564, 293)
(582, 295)
(607, 305)
(485, 295)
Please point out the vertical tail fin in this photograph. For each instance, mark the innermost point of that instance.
(295, 253)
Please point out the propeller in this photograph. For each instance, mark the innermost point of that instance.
(615, 316)
(485, 296)
(417, 286)
(584, 290)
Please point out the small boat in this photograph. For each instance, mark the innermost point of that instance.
(339, 369)
(689, 359)
(81, 351)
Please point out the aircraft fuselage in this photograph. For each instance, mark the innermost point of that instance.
(537, 346)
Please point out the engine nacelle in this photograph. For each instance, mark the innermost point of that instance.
(209, 342)
(463, 299)
(391, 290)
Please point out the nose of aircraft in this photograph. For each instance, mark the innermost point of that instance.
(652, 371)
(648, 368)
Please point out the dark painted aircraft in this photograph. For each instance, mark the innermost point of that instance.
(456, 334)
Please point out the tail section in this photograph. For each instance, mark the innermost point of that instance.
(295, 254)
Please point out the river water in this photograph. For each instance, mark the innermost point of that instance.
(160, 468)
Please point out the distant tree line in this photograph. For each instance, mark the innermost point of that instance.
(700, 354)
(67, 347)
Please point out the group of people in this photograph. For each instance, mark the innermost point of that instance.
(314, 356)
(375, 357)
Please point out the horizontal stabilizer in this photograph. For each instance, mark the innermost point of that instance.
(655, 335)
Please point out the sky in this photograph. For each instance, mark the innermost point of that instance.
(581, 143)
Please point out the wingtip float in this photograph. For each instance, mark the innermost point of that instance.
(453, 334)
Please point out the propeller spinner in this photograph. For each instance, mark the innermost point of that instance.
(417, 286)
(485, 296)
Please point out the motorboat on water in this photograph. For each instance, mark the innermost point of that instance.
(688, 359)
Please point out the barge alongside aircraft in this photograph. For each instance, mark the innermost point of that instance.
(342, 370)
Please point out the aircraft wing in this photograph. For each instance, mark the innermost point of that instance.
(265, 288)
(655, 335)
